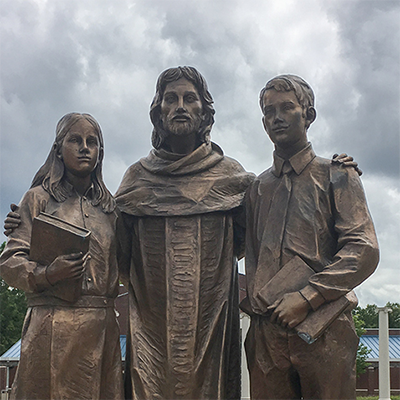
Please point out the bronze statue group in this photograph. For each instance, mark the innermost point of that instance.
(181, 218)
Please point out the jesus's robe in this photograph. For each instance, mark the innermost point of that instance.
(183, 214)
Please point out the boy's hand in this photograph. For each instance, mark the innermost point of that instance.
(290, 310)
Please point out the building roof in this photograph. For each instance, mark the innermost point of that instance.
(371, 341)
(12, 354)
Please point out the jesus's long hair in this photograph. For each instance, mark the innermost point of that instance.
(193, 76)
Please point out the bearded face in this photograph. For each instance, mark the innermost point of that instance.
(181, 108)
(182, 127)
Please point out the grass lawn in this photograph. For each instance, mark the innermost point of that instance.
(377, 398)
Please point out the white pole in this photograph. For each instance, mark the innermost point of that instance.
(384, 363)
(245, 323)
(8, 378)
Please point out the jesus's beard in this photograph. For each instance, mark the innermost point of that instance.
(182, 128)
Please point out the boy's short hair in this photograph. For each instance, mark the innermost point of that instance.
(301, 88)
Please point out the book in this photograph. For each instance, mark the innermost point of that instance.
(292, 277)
(318, 321)
(52, 237)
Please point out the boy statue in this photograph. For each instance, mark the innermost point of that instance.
(308, 212)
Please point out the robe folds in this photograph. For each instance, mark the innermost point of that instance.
(183, 213)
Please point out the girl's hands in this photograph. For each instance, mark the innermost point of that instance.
(70, 266)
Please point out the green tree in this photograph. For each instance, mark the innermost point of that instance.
(362, 351)
(369, 315)
(368, 318)
(394, 316)
(12, 313)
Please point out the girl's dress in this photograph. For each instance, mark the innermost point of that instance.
(68, 350)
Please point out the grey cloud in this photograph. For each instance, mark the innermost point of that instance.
(370, 36)
(104, 57)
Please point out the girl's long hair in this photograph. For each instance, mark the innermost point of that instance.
(51, 173)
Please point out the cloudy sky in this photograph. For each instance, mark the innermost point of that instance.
(103, 57)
